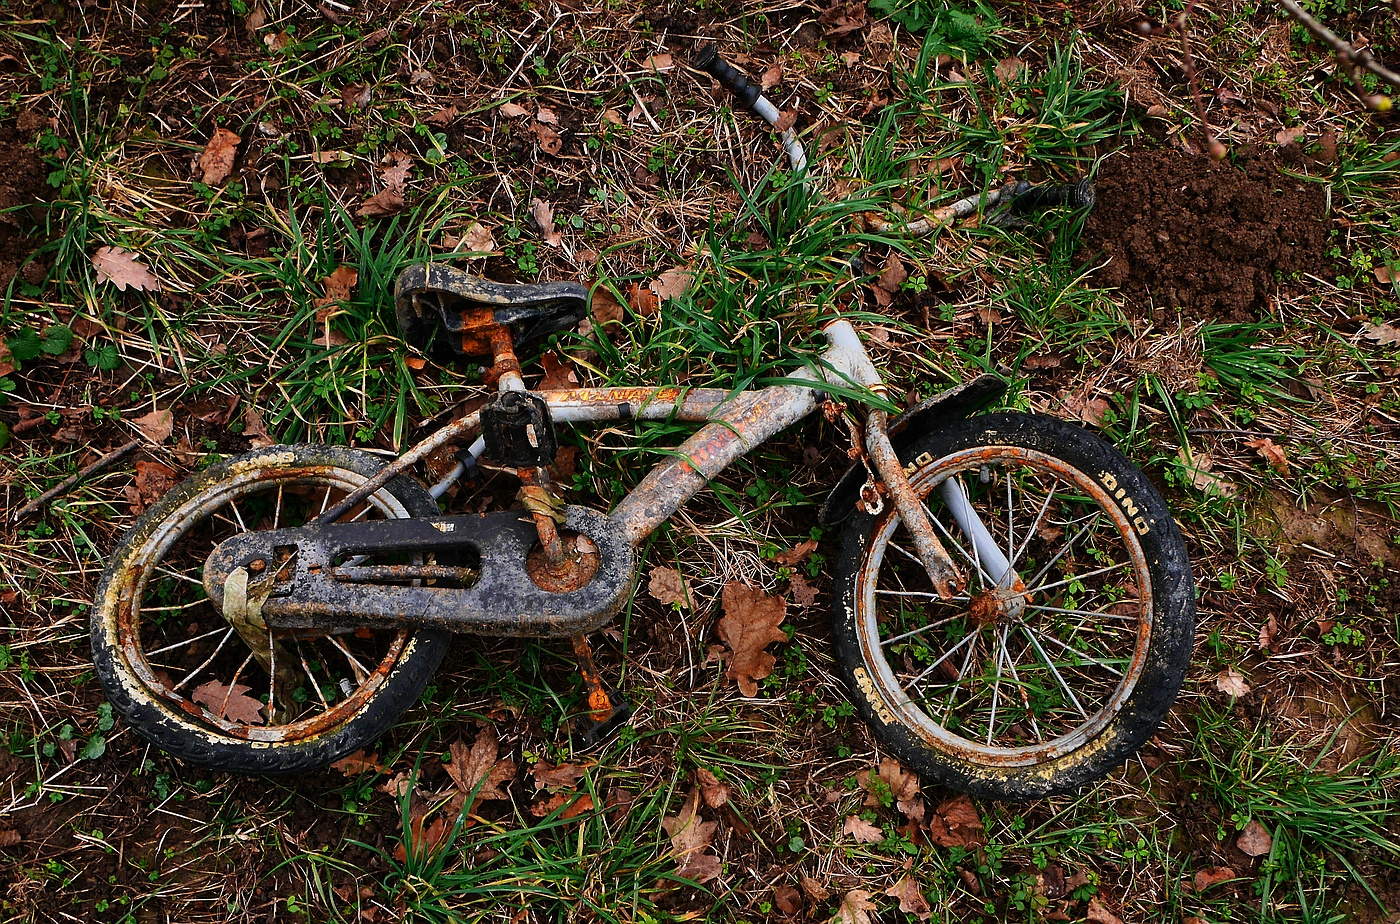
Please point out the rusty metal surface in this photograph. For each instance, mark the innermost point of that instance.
(945, 576)
(737, 427)
(685, 404)
(504, 600)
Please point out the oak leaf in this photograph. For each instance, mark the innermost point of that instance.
(1232, 683)
(544, 217)
(156, 426)
(955, 823)
(672, 283)
(715, 793)
(478, 764)
(382, 205)
(911, 898)
(804, 592)
(1255, 840)
(1383, 334)
(232, 703)
(1271, 453)
(863, 831)
(558, 375)
(643, 300)
(548, 776)
(216, 161)
(750, 624)
(359, 762)
(478, 238)
(548, 138)
(338, 287)
(796, 554)
(396, 173)
(1212, 876)
(689, 839)
(854, 908)
(605, 308)
(667, 586)
(122, 269)
(1098, 914)
(153, 481)
(1086, 408)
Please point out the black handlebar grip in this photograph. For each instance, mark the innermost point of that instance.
(1075, 195)
(708, 60)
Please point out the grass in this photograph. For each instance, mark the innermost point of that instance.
(656, 173)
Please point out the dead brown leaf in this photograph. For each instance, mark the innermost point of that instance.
(891, 777)
(750, 624)
(558, 375)
(690, 836)
(122, 269)
(1212, 876)
(546, 116)
(786, 120)
(513, 110)
(1255, 840)
(605, 308)
(397, 170)
(1289, 136)
(1384, 274)
(643, 300)
(382, 205)
(1200, 469)
(478, 764)
(804, 592)
(544, 217)
(551, 777)
(863, 831)
(771, 77)
(1007, 68)
(672, 283)
(660, 63)
(359, 762)
(232, 703)
(1271, 453)
(814, 889)
(549, 140)
(216, 162)
(478, 238)
(854, 908)
(153, 481)
(1098, 914)
(1084, 407)
(796, 554)
(339, 285)
(156, 426)
(911, 898)
(955, 823)
(256, 431)
(9, 837)
(715, 793)
(1267, 633)
(1384, 334)
(1232, 683)
(843, 18)
(786, 898)
(667, 587)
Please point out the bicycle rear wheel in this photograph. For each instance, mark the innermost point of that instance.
(230, 695)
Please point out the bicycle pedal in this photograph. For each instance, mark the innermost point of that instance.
(593, 731)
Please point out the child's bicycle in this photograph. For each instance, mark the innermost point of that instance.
(1013, 603)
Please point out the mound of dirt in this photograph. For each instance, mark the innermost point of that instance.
(23, 183)
(1179, 231)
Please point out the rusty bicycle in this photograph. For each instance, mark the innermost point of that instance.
(1013, 614)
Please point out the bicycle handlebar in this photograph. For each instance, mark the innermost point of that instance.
(708, 60)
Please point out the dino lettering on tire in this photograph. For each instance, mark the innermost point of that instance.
(1126, 501)
(867, 687)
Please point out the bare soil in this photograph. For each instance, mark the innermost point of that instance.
(1176, 231)
(23, 183)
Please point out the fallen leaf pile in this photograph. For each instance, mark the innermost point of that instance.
(750, 624)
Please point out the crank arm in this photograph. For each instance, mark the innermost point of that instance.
(320, 585)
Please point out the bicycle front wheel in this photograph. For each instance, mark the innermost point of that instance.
(1041, 676)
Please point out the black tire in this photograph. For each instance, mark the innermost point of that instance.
(1081, 672)
(152, 623)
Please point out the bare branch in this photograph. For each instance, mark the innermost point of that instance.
(1213, 147)
(1348, 54)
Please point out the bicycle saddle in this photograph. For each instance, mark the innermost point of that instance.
(446, 312)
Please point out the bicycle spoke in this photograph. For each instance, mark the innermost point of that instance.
(1039, 517)
(207, 661)
(277, 508)
(996, 685)
(1010, 521)
(1061, 554)
(1054, 670)
(1025, 699)
(360, 671)
(188, 641)
(1076, 652)
(1056, 609)
(1079, 577)
(970, 636)
(310, 678)
(180, 577)
(921, 629)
